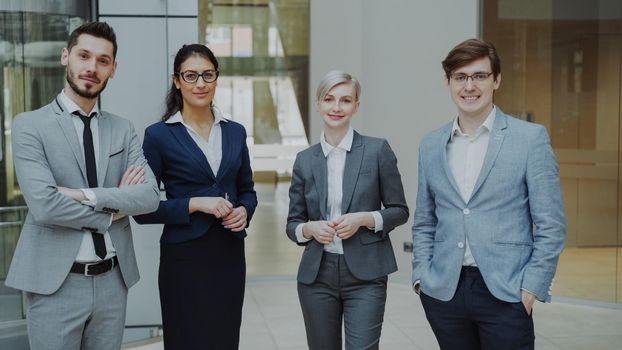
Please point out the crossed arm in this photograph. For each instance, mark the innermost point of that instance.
(132, 176)
(49, 205)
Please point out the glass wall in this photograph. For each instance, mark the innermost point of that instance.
(263, 51)
(561, 64)
(32, 35)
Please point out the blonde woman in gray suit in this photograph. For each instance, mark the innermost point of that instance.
(345, 197)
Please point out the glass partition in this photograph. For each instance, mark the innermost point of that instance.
(561, 68)
(263, 50)
(32, 35)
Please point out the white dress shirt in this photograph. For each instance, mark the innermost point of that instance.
(86, 253)
(335, 164)
(465, 154)
(212, 149)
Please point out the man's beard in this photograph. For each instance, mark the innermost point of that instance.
(83, 92)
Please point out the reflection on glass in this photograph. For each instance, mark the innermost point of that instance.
(30, 46)
(230, 41)
(275, 46)
(234, 96)
(561, 68)
(288, 113)
(262, 47)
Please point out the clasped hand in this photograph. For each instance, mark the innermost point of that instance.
(343, 227)
(232, 218)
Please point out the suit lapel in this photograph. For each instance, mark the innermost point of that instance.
(105, 135)
(320, 172)
(69, 130)
(227, 150)
(181, 134)
(354, 159)
(445, 162)
(497, 134)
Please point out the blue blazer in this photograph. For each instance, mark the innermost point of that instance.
(514, 220)
(179, 163)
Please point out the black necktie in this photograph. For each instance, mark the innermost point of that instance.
(91, 175)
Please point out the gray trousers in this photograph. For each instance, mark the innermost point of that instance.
(86, 312)
(337, 295)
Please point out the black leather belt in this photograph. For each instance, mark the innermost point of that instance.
(94, 269)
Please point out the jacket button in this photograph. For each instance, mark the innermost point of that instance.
(466, 211)
(460, 245)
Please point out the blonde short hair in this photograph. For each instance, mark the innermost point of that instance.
(334, 78)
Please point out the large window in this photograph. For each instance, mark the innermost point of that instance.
(263, 50)
(561, 64)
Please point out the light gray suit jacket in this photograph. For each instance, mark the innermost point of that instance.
(371, 180)
(514, 220)
(47, 154)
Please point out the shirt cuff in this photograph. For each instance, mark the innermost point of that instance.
(378, 223)
(417, 282)
(91, 199)
(532, 293)
(299, 236)
(110, 223)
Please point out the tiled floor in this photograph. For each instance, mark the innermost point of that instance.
(273, 320)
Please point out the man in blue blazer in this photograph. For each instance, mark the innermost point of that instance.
(489, 224)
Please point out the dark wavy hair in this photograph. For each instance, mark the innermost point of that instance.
(174, 101)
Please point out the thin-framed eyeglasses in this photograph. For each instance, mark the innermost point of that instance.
(192, 77)
(477, 77)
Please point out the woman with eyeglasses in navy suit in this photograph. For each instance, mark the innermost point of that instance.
(203, 161)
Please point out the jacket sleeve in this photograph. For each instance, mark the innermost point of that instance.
(297, 205)
(135, 199)
(245, 185)
(172, 211)
(547, 212)
(395, 210)
(424, 226)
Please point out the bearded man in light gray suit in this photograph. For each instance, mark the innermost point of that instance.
(489, 224)
(81, 171)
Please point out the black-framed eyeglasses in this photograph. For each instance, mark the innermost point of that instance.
(192, 77)
(477, 77)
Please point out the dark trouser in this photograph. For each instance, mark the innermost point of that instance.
(336, 294)
(475, 319)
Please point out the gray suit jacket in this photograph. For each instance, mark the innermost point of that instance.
(371, 180)
(47, 154)
(514, 220)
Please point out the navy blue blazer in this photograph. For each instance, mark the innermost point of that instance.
(179, 163)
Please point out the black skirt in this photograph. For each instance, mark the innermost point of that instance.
(202, 291)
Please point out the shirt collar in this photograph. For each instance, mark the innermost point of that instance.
(218, 117)
(487, 124)
(345, 144)
(73, 107)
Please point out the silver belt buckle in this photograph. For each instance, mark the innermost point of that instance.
(86, 268)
